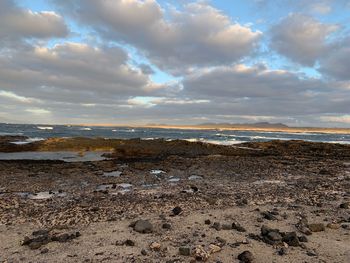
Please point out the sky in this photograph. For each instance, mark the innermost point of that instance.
(175, 62)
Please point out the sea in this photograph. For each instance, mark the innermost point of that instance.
(225, 137)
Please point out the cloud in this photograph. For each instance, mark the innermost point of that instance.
(337, 63)
(73, 72)
(18, 24)
(173, 39)
(301, 38)
(260, 91)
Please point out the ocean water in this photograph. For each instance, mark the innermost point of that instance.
(38, 132)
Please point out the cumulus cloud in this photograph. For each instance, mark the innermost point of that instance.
(243, 90)
(301, 38)
(73, 72)
(18, 23)
(196, 35)
(337, 63)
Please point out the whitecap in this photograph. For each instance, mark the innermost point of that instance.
(29, 140)
(45, 127)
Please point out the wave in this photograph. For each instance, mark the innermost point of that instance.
(86, 129)
(45, 127)
(29, 140)
(219, 142)
(10, 133)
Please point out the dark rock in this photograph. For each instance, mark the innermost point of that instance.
(177, 210)
(268, 215)
(238, 227)
(185, 251)
(282, 251)
(143, 226)
(129, 243)
(194, 188)
(221, 240)
(144, 252)
(44, 251)
(207, 222)
(344, 206)
(246, 257)
(166, 226)
(291, 239)
(274, 236)
(216, 226)
(303, 239)
(311, 253)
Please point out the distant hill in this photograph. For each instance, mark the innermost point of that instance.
(246, 125)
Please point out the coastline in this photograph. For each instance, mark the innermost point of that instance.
(283, 201)
(231, 128)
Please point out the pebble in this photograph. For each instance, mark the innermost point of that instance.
(155, 246)
(143, 226)
(177, 210)
(246, 257)
(185, 251)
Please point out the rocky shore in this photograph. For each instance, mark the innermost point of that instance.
(175, 201)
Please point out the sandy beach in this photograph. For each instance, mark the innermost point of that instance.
(158, 201)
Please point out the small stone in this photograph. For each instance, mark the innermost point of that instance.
(129, 243)
(177, 210)
(333, 226)
(246, 257)
(44, 251)
(166, 226)
(155, 246)
(303, 239)
(143, 226)
(238, 227)
(344, 206)
(216, 226)
(317, 227)
(282, 251)
(184, 251)
(274, 236)
(222, 241)
(311, 253)
(35, 245)
(268, 215)
(207, 222)
(214, 249)
(144, 252)
(291, 239)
